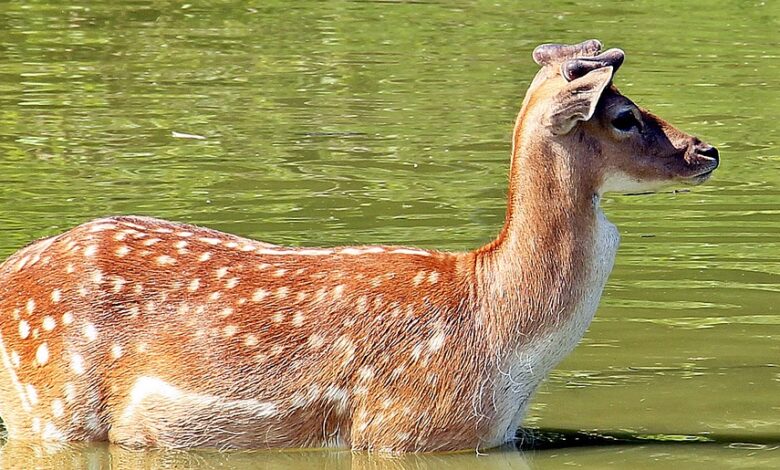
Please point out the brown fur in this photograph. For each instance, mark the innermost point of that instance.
(152, 333)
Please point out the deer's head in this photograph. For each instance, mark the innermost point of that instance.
(612, 144)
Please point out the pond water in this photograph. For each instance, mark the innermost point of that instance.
(330, 123)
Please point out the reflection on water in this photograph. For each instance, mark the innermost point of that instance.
(659, 456)
(106, 457)
(369, 122)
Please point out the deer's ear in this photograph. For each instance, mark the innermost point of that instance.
(577, 101)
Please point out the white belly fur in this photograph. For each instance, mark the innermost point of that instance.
(533, 360)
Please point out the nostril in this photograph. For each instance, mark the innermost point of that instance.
(708, 151)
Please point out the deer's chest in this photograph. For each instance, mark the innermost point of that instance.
(520, 375)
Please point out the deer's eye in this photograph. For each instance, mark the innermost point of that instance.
(625, 121)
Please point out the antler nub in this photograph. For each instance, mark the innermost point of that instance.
(578, 67)
(547, 54)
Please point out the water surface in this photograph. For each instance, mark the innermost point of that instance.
(340, 122)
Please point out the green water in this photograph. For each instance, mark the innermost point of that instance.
(337, 122)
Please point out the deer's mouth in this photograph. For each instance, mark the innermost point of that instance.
(705, 166)
(701, 177)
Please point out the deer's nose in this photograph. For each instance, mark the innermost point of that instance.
(708, 151)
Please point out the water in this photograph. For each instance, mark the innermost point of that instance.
(383, 122)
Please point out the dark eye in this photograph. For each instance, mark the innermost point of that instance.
(625, 121)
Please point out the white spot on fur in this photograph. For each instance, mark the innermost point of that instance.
(205, 256)
(250, 341)
(259, 295)
(57, 408)
(433, 277)
(418, 278)
(101, 227)
(437, 341)
(366, 373)
(210, 241)
(225, 312)
(344, 345)
(42, 354)
(116, 351)
(298, 319)
(51, 433)
(48, 323)
(338, 291)
(282, 292)
(231, 283)
(90, 332)
(56, 295)
(165, 260)
(417, 351)
(24, 329)
(316, 341)
(119, 283)
(30, 307)
(67, 318)
(77, 363)
(70, 392)
(194, 284)
(362, 303)
(230, 330)
(90, 250)
(151, 241)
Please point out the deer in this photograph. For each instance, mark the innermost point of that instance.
(150, 333)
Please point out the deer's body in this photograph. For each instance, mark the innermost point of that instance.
(152, 333)
(385, 347)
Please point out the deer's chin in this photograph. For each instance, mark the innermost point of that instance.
(699, 178)
(624, 183)
(695, 178)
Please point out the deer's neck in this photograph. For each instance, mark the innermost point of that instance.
(535, 275)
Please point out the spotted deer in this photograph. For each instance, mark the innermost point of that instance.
(146, 332)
